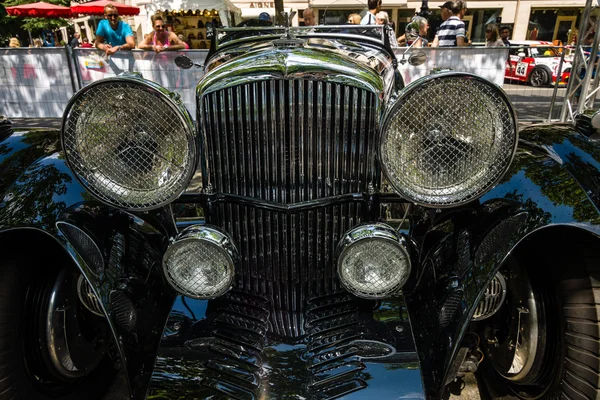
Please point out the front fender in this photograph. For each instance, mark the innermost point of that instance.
(21, 148)
(552, 182)
(129, 281)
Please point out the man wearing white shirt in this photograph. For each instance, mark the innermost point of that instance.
(374, 8)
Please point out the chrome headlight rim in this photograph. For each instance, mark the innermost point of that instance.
(402, 99)
(171, 100)
(215, 237)
(373, 231)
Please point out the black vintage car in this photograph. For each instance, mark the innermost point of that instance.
(352, 237)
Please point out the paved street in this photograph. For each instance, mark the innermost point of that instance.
(533, 104)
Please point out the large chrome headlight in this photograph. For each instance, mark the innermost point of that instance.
(129, 142)
(201, 262)
(373, 261)
(448, 139)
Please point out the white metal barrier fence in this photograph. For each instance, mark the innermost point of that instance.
(39, 82)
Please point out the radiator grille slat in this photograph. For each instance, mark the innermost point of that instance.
(289, 141)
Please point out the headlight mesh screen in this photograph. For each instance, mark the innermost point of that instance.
(373, 268)
(449, 141)
(199, 269)
(128, 145)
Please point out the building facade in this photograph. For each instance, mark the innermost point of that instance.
(548, 20)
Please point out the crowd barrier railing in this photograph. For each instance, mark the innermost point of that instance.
(506, 68)
(39, 82)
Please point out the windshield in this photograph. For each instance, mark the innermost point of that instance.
(541, 52)
(247, 33)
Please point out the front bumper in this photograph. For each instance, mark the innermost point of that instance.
(344, 346)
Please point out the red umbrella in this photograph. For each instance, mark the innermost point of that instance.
(97, 8)
(39, 10)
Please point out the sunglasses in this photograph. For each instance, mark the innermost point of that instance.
(159, 26)
(112, 15)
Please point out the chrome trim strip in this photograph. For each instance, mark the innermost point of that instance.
(299, 63)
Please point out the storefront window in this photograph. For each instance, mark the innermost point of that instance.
(340, 17)
(404, 17)
(554, 24)
(336, 17)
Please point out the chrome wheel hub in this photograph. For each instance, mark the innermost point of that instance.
(512, 340)
(74, 348)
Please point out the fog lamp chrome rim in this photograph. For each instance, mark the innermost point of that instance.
(442, 155)
(130, 142)
(201, 253)
(369, 238)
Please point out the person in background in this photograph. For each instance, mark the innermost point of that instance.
(86, 44)
(374, 8)
(504, 34)
(75, 41)
(265, 19)
(14, 42)
(187, 46)
(446, 10)
(309, 17)
(382, 18)
(463, 9)
(491, 36)
(452, 32)
(354, 19)
(37, 42)
(416, 32)
(48, 39)
(161, 40)
(113, 35)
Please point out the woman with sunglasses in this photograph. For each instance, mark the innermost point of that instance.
(161, 40)
(492, 36)
(112, 34)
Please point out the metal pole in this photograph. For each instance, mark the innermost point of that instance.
(576, 60)
(588, 72)
(277, 18)
(69, 54)
(558, 79)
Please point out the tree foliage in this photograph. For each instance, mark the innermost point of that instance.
(10, 25)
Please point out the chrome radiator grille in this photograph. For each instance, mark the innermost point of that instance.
(287, 257)
(289, 141)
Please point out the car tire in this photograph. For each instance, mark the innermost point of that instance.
(539, 77)
(567, 354)
(25, 369)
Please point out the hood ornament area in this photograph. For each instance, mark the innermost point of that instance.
(287, 39)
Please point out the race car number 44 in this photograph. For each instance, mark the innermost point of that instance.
(521, 69)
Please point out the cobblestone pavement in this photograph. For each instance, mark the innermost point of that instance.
(470, 390)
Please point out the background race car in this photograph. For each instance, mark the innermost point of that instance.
(536, 63)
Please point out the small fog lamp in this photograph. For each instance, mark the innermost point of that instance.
(373, 262)
(201, 262)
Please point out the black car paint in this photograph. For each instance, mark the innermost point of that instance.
(39, 190)
(553, 181)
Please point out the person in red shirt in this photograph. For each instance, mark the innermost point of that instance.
(86, 44)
